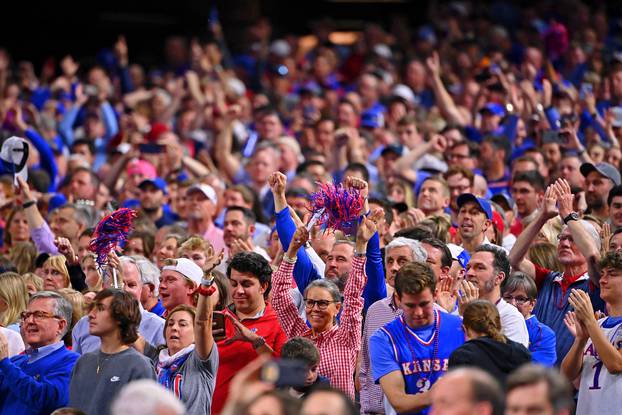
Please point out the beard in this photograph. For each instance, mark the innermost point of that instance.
(594, 201)
(150, 209)
(339, 281)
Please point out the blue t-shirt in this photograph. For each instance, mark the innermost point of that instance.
(397, 346)
(542, 342)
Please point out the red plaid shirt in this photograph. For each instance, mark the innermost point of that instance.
(339, 346)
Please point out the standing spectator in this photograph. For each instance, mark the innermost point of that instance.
(520, 291)
(151, 326)
(339, 344)
(412, 352)
(177, 288)
(578, 246)
(99, 376)
(251, 325)
(152, 202)
(202, 203)
(38, 382)
(614, 201)
(474, 218)
(487, 269)
(398, 252)
(600, 178)
(527, 192)
(487, 348)
(188, 365)
(433, 196)
(239, 227)
(595, 354)
(536, 389)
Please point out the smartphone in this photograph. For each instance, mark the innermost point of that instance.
(550, 136)
(586, 89)
(284, 373)
(151, 148)
(91, 90)
(218, 326)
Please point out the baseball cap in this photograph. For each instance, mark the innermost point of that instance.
(404, 92)
(392, 149)
(372, 119)
(494, 109)
(141, 167)
(207, 190)
(459, 254)
(605, 169)
(158, 183)
(504, 200)
(482, 203)
(187, 268)
(497, 220)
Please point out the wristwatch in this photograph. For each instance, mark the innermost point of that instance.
(571, 216)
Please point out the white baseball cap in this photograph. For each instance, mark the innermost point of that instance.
(187, 268)
(206, 189)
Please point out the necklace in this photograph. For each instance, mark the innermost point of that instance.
(100, 362)
(435, 335)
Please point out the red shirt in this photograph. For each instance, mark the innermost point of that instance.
(233, 357)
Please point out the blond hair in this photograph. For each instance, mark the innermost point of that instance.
(59, 263)
(23, 255)
(14, 293)
(196, 243)
(34, 279)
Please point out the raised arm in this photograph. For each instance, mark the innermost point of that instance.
(444, 100)
(586, 244)
(282, 301)
(204, 341)
(227, 162)
(437, 143)
(524, 240)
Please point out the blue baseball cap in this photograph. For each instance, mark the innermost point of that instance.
(494, 109)
(372, 119)
(482, 203)
(158, 183)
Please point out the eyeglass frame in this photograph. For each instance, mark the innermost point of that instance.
(25, 315)
(508, 298)
(317, 302)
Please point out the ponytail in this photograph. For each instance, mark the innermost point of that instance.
(482, 317)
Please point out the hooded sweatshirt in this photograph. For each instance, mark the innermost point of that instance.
(497, 358)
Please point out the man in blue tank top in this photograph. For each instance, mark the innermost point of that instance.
(412, 352)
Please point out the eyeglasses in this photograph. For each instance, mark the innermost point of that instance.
(321, 304)
(519, 300)
(37, 315)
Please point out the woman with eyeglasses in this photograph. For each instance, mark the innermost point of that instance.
(520, 291)
(338, 343)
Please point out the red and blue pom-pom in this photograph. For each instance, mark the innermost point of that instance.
(111, 232)
(342, 207)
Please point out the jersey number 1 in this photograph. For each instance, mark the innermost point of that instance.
(598, 366)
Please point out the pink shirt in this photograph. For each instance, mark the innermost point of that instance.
(214, 236)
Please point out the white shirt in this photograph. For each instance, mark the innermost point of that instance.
(16, 344)
(513, 323)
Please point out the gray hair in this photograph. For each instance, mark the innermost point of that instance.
(84, 214)
(146, 397)
(418, 252)
(329, 286)
(62, 307)
(591, 231)
(149, 272)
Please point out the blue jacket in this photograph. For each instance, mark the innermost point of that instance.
(305, 272)
(37, 388)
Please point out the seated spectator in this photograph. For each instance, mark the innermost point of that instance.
(114, 318)
(536, 389)
(146, 397)
(38, 382)
(303, 349)
(467, 390)
(520, 291)
(486, 347)
(14, 297)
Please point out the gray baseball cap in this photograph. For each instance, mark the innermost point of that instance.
(605, 169)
